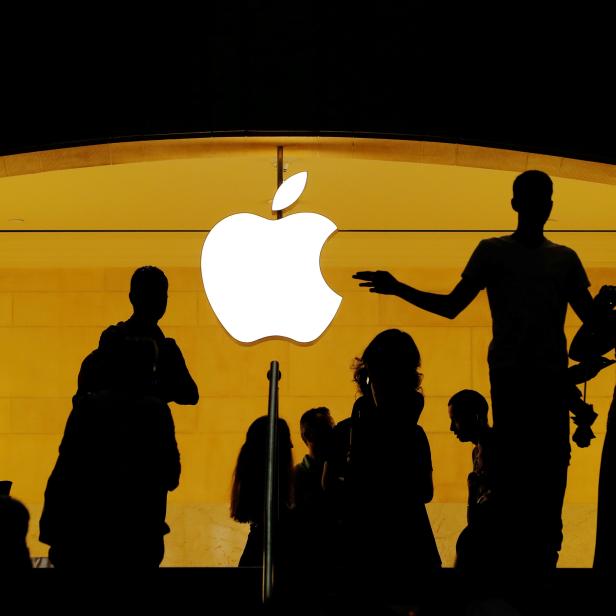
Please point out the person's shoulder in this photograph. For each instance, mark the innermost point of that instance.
(420, 433)
(342, 429)
(113, 333)
(560, 249)
(488, 247)
(495, 242)
(167, 344)
(363, 408)
(344, 424)
(419, 430)
(303, 466)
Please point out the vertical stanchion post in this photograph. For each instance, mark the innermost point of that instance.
(271, 511)
(270, 514)
(279, 172)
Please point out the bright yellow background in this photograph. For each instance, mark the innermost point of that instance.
(58, 291)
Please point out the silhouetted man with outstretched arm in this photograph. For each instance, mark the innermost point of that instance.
(530, 281)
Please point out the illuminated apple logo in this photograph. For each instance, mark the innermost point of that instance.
(262, 277)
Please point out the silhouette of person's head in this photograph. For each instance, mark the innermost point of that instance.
(316, 426)
(14, 521)
(532, 198)
(468, 411)
(390, 367)
(148, 293)
(249, 476)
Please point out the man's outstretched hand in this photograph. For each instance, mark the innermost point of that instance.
(378, 282)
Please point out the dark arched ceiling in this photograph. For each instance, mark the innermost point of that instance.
(502, 75)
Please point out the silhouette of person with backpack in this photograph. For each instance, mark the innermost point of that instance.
(106, 498)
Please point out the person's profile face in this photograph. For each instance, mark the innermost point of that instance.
(460, 426)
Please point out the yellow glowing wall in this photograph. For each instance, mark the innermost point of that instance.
(51, 318)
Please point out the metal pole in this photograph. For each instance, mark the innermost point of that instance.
(270, 514)
(279, 172)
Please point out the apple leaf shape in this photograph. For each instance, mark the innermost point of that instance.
(289, 191)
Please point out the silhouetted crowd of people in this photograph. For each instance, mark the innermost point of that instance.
(368, 514)
(357, 500)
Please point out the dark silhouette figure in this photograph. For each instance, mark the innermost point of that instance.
(588, 347)
(118, 459)
(148, 296)
(316, 427)
(390, 544)
(337, 472)
(248, 489)
(530, 281)
(14, 520)
(476, 548)
(605, 544)
(314, 527)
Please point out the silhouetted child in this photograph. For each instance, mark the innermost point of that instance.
(391, 545)
(313, 525)
(106, 498)
(316, 427)
(148, 296)
(475, 548)
(14, 520)
(248, 488)
(338, 470)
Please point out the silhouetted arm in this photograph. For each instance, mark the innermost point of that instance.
(170, 455)
(91, 376)
(174, 381)
(446, 305)
(583, 305)
(597, 334)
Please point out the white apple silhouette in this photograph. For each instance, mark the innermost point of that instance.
(262, 277)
